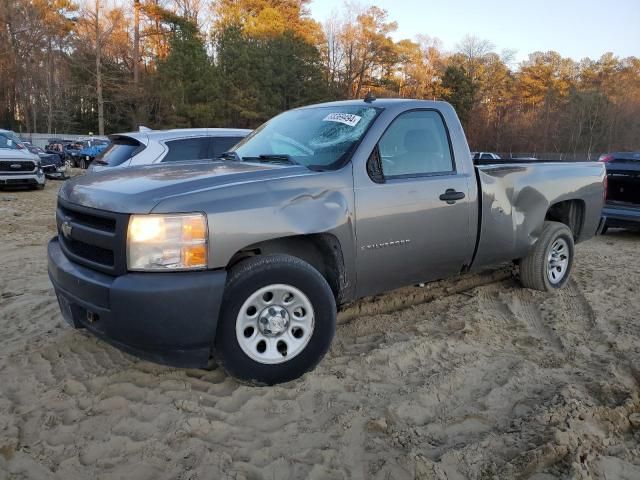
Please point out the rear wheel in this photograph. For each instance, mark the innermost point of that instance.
(277, 322)
(547, 267)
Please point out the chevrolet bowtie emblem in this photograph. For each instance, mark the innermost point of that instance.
(66, 229)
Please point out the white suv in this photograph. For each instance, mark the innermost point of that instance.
(18, 166)
(155, 146)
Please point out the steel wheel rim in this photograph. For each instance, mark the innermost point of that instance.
(558, 261)
(275, 324)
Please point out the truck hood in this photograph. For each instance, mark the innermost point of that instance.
(140, 189)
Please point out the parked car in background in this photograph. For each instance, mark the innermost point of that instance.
(163, 146)
(71, 151)
(622, 205)
(247, 257)
(57, 147)
(18, 166)
(83, 152)
(88, 154)
(485, 156)
(52, 164)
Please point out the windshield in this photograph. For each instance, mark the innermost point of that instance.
(7, 142)
(321, 138)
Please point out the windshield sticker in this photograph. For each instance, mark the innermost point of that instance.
(346, 118)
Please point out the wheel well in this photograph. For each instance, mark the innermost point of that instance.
(322, 251)
(569, 212)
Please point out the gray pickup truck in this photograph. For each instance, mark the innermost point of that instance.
(246, 259)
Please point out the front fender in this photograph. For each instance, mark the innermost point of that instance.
(245, 214)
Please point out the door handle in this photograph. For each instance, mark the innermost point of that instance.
(451, 196)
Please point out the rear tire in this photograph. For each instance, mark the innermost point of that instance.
(277, 321)
(548, 265)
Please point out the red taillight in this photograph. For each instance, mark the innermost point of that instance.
(605, 184)
(605, 158)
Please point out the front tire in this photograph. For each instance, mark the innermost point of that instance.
(277, 322)
(548, 265)
(83, 164)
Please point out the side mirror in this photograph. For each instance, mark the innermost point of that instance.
(374, 166)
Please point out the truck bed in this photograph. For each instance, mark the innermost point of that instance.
(624, 183)
(622, 207)
(516, 196)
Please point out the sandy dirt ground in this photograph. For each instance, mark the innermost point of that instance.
(475, 378)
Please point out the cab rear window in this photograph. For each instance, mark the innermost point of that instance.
(223, 144)
(196, 148)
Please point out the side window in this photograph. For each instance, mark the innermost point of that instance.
(416, 143)
(187, 149)
(486, 156)
(223, 144)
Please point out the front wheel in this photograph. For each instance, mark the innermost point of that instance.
(83, 164)
(548, 265)
(277, 322)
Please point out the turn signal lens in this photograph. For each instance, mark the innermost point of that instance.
(194, 256)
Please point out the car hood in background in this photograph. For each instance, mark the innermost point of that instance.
(50, 159)
(140, 189)
(23, 154)
(92, 151)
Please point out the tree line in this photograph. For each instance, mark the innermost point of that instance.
(100, 67)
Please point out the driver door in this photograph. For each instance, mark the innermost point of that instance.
(413, 222)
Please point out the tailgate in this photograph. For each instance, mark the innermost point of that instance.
(623, 179)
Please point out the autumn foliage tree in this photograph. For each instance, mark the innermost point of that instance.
(80, 66)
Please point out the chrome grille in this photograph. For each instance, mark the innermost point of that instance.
(17, 166)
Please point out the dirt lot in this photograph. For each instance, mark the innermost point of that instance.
(491, 382)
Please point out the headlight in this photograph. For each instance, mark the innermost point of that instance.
(167, 242)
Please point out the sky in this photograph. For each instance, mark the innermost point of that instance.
(573, 28)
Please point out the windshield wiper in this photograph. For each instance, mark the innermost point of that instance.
(229, 156)
(274, 158)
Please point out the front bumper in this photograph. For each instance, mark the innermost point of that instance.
(22, 179)
(621, 216)
(169, 318)
(55, 171)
